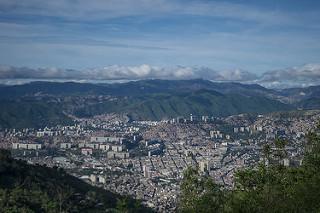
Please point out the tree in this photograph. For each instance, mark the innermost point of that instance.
(266, 152)
(122, 205)
(280, 145)
(272, 188)
(199, 193)
(63, 194)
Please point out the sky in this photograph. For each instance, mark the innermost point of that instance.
(236, 40)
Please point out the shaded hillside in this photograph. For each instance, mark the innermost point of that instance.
(201, 102)
(41, 104)
(27, 188)
(22, 114)
(310, 103)
(302, 93)
(133, 88)
(306, 98)
(50, 88)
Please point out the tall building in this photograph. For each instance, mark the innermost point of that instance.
(146, 172)
(204, 166)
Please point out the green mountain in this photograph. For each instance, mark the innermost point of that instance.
(40, 104)
(132, 88)
(305, 98)
(24, 113)
(34, 188)
(168, 105)
(302, 93)
(310, 103)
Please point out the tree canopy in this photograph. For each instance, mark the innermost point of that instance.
(266, 188)
(28, 188)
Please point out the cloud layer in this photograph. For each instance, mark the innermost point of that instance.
(116, 72)
(306, 75)
(290, 77)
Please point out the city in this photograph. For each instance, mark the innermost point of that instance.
(146, 159)
(142, 106)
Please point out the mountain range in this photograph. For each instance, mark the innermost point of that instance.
(48, 103)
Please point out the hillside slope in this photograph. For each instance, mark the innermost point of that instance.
(167, 105)
(37, 114)
(41, 104)
(132, 88)
(32, 188)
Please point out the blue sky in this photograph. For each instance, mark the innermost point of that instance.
(255, 36)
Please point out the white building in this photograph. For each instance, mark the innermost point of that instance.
(105, 147)
(106, 139)
(204, 166)
(34, 146)
(65, 145)
(117, 148)
(121, 155)
(86, 151)
(45, 132)
(93, 145)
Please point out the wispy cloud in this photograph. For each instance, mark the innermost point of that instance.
(79, 10)
(105, 9)
(76, 41)
(220, 34)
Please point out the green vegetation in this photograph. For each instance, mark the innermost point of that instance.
(199, 193)
(167, 105)
(41, 104)
(311, 103)
(28, 114)
(272, 188)
(33, 188)
(25, 113)
(132, 88)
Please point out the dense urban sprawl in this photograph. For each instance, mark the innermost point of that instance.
(146, 159)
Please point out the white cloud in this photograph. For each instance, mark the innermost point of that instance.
(306, 75)
(237, 75)
(116, 72)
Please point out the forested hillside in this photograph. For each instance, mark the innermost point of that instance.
(33, 188)
(41, 104)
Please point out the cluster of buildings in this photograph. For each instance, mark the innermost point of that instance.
(147, 159)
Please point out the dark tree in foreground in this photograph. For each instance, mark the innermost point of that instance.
(33, 188)
(272, 188)
(199, 193)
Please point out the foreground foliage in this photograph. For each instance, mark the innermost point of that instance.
(27, 188)
(268, 188)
